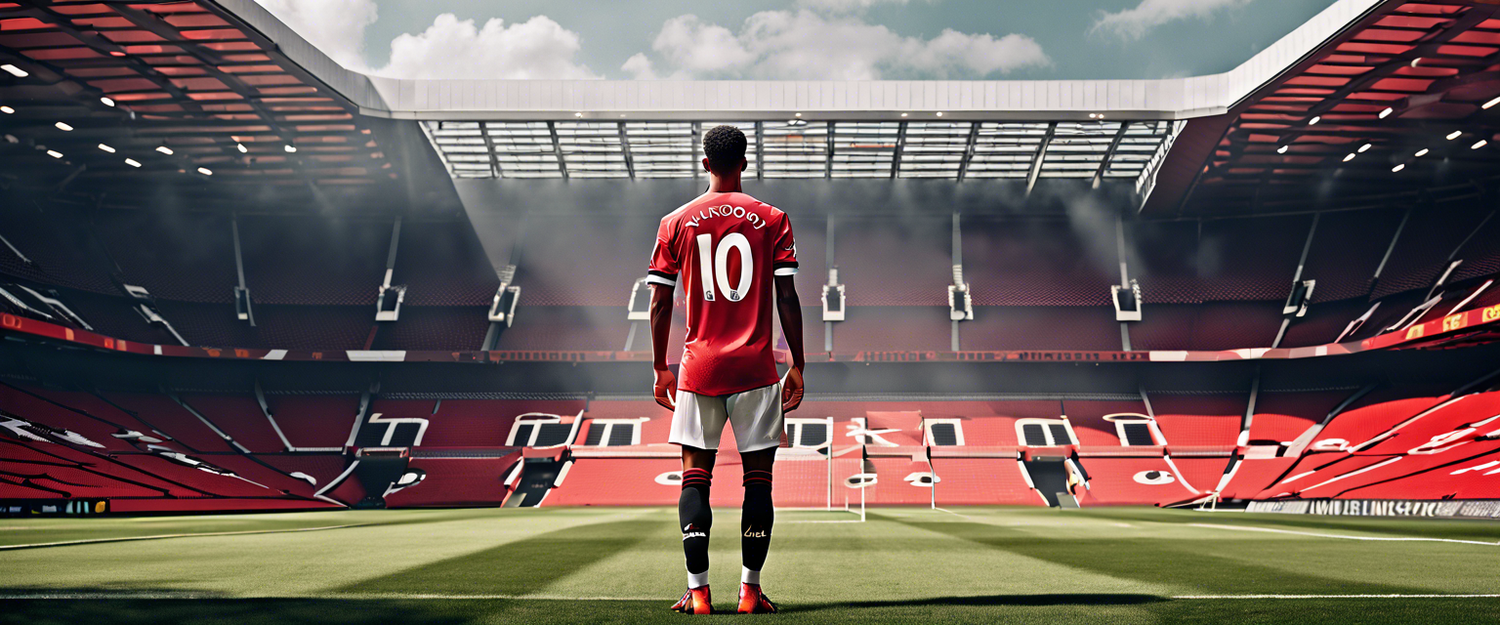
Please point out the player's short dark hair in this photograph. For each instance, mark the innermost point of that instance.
(724, 146)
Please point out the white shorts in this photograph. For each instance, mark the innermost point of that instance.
(755, 415)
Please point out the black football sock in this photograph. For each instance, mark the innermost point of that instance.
(696, 518)
(756, 519)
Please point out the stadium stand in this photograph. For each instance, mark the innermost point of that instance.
(453, 482)
(1391, 441)
(1039, 327)
(1199, 420)
(183, 257)
(1346, 251)
(1424, 247)
(903, 261)
(315, 422)
(1038, 284)
(442, 264)
(240, 417)
(434, 327)
(1038, 263)
(313, 260)
(871, 327)
(575, 261)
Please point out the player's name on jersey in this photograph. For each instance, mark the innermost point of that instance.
(725, 210)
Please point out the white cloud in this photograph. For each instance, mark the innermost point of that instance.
(690, 44)
(337, 27)
(808, 45)
(845, 5)
(448, 48)
(1134, 23)
(639, 67)
(454, 48)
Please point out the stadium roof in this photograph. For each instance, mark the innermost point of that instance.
(227, 87)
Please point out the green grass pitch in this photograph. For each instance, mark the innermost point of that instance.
(624, 565)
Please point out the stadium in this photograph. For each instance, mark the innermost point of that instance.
(286, 341)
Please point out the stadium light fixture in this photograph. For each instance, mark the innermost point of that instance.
(14, 71)
(63, 126)
(241, 147)
(1479, 144)
(1455, 134)
(1387, 112)
(1422, 152)
(132, 162)
(205, 171)
(1398, 168)
(107, 101)
(796, 115)
(1363, 148)
(1488, 105)
(7, 110)
(164, 150)
(1093, 115)
(54, 154)
(1314, 121)
(578, 114)
(290, 149)
(106, 148)
(1283, 149)
(1349, 157)
(939, 113)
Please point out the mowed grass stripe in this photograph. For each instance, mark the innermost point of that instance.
(126, 539)
(616, 565)
(1246, 528)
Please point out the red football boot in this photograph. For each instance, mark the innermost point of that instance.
(695, 601)
(754, 601)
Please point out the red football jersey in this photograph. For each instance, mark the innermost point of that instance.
(726, 247)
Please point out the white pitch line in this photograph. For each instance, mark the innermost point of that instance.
(160, 596)
(1245, 528)
(838, 521)
(125, 539)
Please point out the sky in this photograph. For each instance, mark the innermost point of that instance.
(793, 39)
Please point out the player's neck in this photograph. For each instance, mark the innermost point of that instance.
(720, 183)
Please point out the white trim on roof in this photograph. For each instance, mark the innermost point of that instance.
(731, 100)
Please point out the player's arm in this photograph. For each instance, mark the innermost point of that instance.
(662, 276)
(789, 308)
(664, 389)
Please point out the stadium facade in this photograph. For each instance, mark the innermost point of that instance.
(238, 276)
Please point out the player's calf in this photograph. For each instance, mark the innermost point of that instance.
(756, 519)
(696, 518)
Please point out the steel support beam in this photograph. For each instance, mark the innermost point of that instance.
(1041, 155)
(625, 150)
(963, 162)
(562, 165)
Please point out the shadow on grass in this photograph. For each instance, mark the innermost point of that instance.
(1077, 599)
(1091, 609)
(1226, 569)
(516, 568)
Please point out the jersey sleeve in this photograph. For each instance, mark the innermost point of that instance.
(664, 267)
(784, 258)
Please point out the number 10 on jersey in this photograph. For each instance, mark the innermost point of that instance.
(713, 265)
